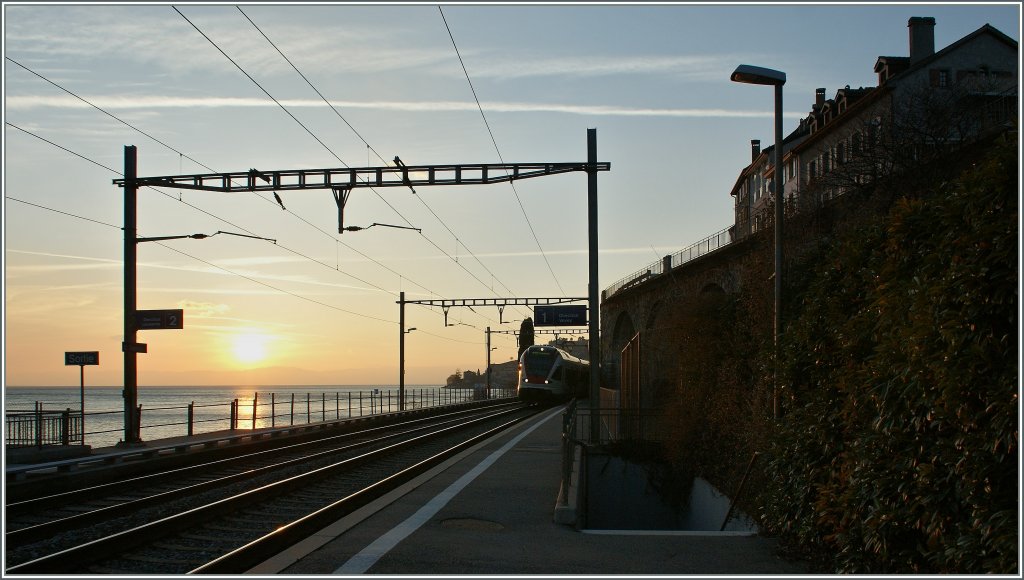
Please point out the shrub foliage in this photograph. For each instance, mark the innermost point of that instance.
(897, 449)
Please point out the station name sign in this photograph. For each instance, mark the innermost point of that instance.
(81, 358)
(573, 315)
(159, 319)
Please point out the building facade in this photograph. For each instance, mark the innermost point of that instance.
(924, 104)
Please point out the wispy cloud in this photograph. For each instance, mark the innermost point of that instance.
(329, 48)
(108, 263)
(691, 68)
(25, 102)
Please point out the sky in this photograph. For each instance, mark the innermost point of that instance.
(193, 87)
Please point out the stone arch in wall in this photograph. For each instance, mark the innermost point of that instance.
(622, 332)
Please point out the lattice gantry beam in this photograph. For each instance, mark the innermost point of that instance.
(449, 302)
(351, 177)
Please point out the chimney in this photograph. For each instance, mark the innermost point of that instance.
(755, 149)
(819, 98)
(922, 38)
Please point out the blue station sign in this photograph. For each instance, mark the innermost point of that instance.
(159, 319)
(547, 315)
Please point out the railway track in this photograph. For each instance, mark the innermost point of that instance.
(203, 518)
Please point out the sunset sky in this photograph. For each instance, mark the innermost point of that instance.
(318, 307)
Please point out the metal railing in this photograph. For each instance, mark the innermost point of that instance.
(707, 245)
(620, 425)
(40, 427)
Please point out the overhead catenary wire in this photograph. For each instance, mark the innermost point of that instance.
(293, 117)
(281, 106)
(179, 199)
(370, 148)
(498, 150)
(183, 155)
(228, 270)
(105, 112)
(165, 194)
(281, 290)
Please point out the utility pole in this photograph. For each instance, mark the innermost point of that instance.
(488, 362)
(401, 351)
(595, 310)
(130, 346)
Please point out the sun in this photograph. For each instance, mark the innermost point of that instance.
(250, 348)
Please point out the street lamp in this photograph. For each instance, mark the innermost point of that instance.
(756, 75)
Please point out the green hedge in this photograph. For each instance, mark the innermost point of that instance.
(898, 448)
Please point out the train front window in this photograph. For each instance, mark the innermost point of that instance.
(539, 363)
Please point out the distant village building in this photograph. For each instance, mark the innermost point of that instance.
(579, 348)
(924, 104)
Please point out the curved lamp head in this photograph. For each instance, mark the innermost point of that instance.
(755, 75)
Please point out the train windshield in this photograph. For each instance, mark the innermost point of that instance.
(539, 362)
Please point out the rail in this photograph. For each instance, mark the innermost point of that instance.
(707, 245)
(39, 427)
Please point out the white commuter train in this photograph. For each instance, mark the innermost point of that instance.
(550, 373)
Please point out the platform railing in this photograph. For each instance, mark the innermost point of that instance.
(620, 425)
(39, 427)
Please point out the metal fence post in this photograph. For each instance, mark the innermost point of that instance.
(255, 397)
(273, 409)
(65, 427)
(292, 420)
(191, 416)
(39, 424)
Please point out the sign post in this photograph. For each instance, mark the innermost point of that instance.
(81, 359)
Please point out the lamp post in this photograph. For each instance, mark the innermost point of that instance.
(489, 349)
(756, 75)
(402, 331)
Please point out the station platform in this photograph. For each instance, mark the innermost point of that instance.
(492, 511)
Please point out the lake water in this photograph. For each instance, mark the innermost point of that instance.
(165, 409)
